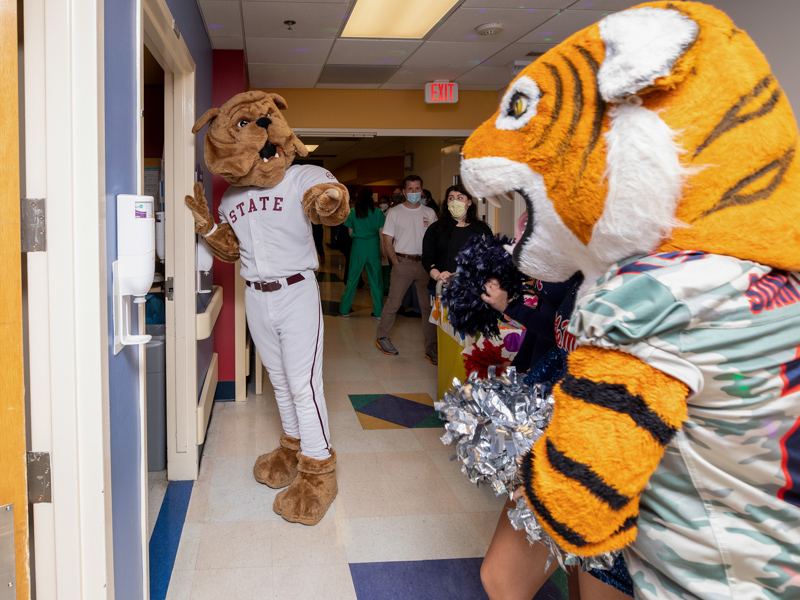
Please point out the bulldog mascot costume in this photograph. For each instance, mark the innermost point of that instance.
(265, 220)
(657, 154)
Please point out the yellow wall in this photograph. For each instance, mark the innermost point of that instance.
(385, 109)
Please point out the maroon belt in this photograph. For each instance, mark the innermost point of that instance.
(274, 286)
(415, 257)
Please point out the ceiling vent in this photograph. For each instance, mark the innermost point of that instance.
(489, 28)
(356, 73)
(518, 65)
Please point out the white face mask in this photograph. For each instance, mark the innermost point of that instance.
(384, 206)
(413, 197)
(457, 209)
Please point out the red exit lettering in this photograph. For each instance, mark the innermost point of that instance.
(442, 92)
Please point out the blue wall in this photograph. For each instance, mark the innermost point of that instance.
(121, 178)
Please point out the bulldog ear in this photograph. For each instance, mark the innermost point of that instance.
(299, 146)
(209, 115)
(279, 101)
(642, 46)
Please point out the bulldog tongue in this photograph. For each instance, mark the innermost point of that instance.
(268, 151)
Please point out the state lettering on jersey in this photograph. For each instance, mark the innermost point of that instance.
(252, 206)
(277, 205)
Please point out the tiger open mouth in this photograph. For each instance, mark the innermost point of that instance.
(524, 225)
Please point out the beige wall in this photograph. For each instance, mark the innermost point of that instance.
(385, 109)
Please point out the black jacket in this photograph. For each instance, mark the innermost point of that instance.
(439, 252)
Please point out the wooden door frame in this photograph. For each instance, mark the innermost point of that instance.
(170, 50)
(67, 293)
(13, 476)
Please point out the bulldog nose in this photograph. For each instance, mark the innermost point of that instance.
(264, 122)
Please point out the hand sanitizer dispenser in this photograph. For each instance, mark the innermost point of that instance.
(134, 268)
(204, 261)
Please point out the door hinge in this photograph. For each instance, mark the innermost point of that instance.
(169, 288)
(39, 488)
(33, 224)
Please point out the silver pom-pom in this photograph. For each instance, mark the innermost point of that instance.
(495, 422)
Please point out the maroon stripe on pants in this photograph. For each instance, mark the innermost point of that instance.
(313, 364)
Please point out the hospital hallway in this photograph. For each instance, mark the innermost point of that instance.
(406, 523)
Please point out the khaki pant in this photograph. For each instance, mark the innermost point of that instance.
(405, 273)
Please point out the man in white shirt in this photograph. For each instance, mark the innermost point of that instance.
(402, 236)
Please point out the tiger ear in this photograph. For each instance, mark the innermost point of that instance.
(643, 46)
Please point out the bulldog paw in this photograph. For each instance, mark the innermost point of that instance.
(327, 203)
(203, 221)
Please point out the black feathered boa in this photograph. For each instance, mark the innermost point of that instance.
(481, 258)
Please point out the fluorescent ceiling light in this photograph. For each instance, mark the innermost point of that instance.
(411, 19)
(312, 147)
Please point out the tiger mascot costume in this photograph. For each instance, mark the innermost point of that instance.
(656, 153)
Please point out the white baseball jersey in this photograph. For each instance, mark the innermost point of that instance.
(274, 232)
(407, 226)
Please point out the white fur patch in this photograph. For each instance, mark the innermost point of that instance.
(642, 44)
(645, 181)
(552, 252)
(528, 88)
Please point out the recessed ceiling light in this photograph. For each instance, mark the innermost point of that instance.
(408, 19)
(312, 147)
(489, 28)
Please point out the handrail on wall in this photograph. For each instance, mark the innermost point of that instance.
(207, 318)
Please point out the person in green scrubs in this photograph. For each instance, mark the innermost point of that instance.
(365, 221)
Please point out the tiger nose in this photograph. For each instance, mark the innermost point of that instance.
(264, 122)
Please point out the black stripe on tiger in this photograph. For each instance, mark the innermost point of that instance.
(577, 110)
(526, 474)
(616, 397)
(585, 476)
(599, 108)
(734, 117)
(733, 198)
(629, 523)
(558, 103)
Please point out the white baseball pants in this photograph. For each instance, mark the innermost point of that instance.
(286, 326)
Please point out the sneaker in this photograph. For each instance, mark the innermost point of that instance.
(344, 316)
(433, 356)
(385, 345)
(374, 318)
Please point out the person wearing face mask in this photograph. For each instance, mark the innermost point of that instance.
(402, 242)
(427, 200)
(457, 222)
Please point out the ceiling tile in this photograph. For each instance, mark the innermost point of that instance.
(563, 25)
(488, 4)
(487, 76)
(371, 52)
(287, 52)
(515, 52)
(283, 76)
(453, 54)
(356, 73)
(227, 43)
(222, 18)
(422, 75)
(610, 5)
(516, 23)
(313, 20)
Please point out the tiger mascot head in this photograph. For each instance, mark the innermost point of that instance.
(660, 128)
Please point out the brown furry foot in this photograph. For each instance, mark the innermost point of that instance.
(278, 468)
(307, 500)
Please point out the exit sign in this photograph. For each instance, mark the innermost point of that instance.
(441, 92)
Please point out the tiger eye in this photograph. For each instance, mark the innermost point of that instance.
(520, 104)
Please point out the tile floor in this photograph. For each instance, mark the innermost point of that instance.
(400, 497)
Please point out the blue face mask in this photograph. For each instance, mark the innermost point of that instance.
(413, 197)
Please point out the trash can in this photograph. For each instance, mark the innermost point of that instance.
(156, 398)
